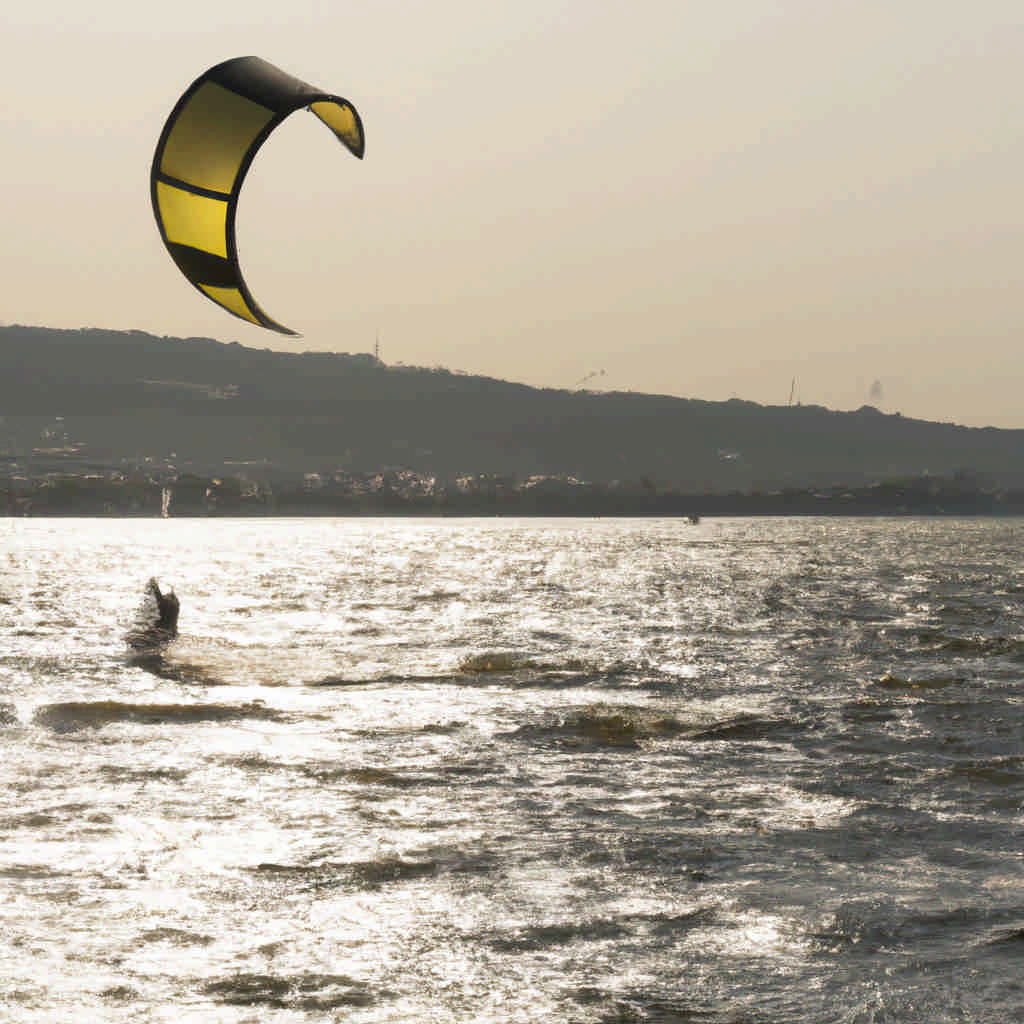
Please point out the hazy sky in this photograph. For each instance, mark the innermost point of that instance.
(703, 199)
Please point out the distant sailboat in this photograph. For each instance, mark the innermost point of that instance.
(165, 502)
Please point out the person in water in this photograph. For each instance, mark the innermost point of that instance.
(167, 606)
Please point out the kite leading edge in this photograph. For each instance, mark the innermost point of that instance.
(201, 160)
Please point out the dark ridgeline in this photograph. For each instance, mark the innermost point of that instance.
(132, 396)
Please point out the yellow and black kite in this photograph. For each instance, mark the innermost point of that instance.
(202, 158)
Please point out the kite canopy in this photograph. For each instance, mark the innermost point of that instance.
(202, 158)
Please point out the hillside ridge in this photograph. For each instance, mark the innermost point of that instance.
(131, 393)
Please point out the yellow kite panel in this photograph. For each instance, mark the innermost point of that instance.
(196, 221)
(211, 136)
(231, 299)
(341, 119)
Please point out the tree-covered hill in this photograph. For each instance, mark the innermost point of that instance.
(130, 394)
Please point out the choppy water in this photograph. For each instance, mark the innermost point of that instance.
(493, 771)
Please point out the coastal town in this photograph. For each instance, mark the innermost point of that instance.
(63, 476)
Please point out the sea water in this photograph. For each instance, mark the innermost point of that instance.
(635, 770)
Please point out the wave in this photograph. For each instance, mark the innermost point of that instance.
(997, 646)
(176, 936)
(511, 661)
(594, 728)
(333, 681)
(119, 994)
(1000, 771)
(749, 728)
(493, 661)
(29, 871)
(890, 681)
(313, 993)
(566, 672)
(882, 923)
(28, 819)
(121, 774)
(869, 924)
(364, 874)
(517, 668)
(540, 937)
(627, 727)
(535, 938)
(71, 716)
(1013, 937)
(438, 596)
(371, 776)
(977, 645)
(494, 665)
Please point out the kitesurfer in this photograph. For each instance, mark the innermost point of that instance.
(167, 605)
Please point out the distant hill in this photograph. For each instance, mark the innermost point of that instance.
(130, 394)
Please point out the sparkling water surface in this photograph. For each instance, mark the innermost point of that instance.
(759, 770)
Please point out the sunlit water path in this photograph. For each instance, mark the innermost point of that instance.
(496, 770)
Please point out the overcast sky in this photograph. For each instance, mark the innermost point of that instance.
(705, 199)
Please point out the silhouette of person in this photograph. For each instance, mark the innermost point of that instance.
(167, 605)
